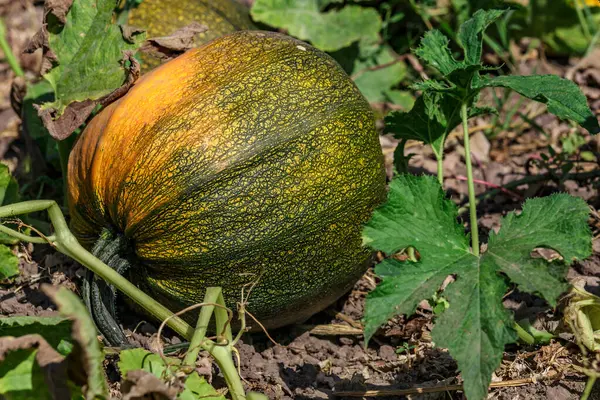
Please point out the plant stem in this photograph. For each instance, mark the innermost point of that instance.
(222, 355)
(66, 243)
(523, 334)
(470, 183)
(440, 171)
(588, 388)
(8, 53)
(582, 21)
(211, 296)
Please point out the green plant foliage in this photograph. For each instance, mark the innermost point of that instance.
(557, 24)
(328, 31)
(9, 193)
(195, 387)
(52, 358)
(9, 263)
(89, 51)
(84, 333)
(134, 359)
(562, 96)
(39, 93)
(476, 327)
(376, 71)
(55, 330)
(437, 111)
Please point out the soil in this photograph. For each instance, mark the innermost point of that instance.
(325, 356)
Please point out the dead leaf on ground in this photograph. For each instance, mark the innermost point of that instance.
(142, 385)
(167, 47)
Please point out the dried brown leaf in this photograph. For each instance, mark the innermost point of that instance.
(142, 385)
(166, 47)
(76, 113)
(129, 32)
(85, 360)
(58, 8)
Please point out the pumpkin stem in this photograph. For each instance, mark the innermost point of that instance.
(99, 295)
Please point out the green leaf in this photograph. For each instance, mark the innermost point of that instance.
(432, 118)
(39, 93)
(557, 222)
(470, 34)
(21, 377)
(9, 263)
(196, 388)
(55, 330)
(89, 54)
(434, 50)
(562, 96)
(374, 69)
(134, 359)
(475, 327)
(329, 31)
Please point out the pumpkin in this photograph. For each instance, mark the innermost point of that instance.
(250, 160)
(163, 17)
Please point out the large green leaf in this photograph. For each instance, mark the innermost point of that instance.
(562, 96)
(433, 116)
(89, 53)
(476, 327)
(376, 72)
(329, 31)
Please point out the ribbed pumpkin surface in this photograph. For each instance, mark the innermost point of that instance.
(252, 157)
(163, 17)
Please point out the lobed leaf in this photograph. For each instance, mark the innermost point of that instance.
(87, 60)
(562, 96)
(328, 31)
(476, 327)
(470, 34)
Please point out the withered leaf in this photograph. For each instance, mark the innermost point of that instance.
(86, 60)
(58, 8)
(75, 114)
(85, 362)
(142, 385)
(167, 47)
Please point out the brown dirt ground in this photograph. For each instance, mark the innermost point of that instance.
(309, 363)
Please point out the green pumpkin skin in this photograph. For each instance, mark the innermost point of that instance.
(252, 158)
(163, 17)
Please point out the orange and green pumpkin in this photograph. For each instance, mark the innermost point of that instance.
(253, 158)
(163, 17)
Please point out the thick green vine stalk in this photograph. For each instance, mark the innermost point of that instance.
(64, 241)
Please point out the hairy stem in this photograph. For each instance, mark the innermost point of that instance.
(8, 53)
(440, 171)
(470, 183)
